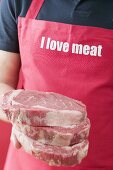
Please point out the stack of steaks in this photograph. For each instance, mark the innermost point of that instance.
(50, 126)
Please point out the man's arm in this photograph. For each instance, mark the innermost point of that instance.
(9, 72)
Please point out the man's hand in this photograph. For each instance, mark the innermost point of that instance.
(14, 140)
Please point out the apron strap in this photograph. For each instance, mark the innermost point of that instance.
(34, 9)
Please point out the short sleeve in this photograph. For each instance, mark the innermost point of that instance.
(8, 26)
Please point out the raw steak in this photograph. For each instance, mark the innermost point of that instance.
(54, 155)
(59, 136)
(43, 108)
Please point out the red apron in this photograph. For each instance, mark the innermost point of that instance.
(76, 61)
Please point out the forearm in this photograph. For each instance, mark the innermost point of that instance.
(3, 89)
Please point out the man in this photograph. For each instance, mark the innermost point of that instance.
(65, 47)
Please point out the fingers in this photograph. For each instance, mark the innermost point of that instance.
(18, 145)
(15, 141)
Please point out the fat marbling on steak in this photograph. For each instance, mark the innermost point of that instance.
(57, 136)
(50, 126)
(37, 108)
(54, 155)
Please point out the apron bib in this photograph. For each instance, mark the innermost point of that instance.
(76, 61)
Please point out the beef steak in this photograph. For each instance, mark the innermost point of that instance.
(59, 136)
(37, 108)
(54, 155)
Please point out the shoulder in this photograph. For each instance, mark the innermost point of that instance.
(15, 7)
(22, 6)
(9, 12)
